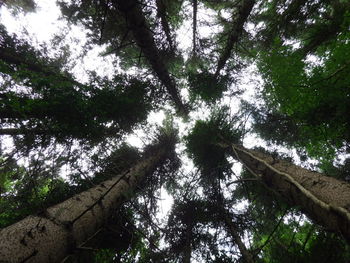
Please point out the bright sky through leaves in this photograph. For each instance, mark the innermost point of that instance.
(267, 76)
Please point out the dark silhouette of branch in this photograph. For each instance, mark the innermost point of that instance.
(235, 32)
(137, 24)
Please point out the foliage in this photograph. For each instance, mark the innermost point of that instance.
(56, 105)
(313, 23)
(308, 95)
(193, 228)
(28, 190)
(18, 6)
(53, 125)
(315, 117)
(281, 233)
(304, 244)
(204, 143)
(207, 87)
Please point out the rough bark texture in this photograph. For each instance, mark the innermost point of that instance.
(324, 199)
(144, 39)
(234, 34)
(51, 236)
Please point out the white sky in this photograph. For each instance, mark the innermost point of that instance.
(45, 23)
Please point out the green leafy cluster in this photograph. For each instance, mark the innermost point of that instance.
(206, 86)
(313, 98)
(206, 143)
(302, 52)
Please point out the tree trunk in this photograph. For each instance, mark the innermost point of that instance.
(144, 39)
(54, 234)
(188, 249)
(231, 227)
(162, 14)
(324, 199)
(235, 32)
(246, 255)
(194, 28)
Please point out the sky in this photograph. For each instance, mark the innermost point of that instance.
(45, 23)
(41, 26)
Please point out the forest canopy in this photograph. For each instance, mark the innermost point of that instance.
(174, 131)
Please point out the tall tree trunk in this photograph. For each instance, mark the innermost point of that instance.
(188, 249)
(235, 32)
(227, 219)
(162, 14)
(194, 28)
(137, 23)
(231, 228)
(324, 199)
(55, 233)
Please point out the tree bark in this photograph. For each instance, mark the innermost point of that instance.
(231, 228)
(194, 28)
(246, 255)
(235, 32)
(161, 13)
(188, 249)
(324, 199)
(55, 233)
(144, 39)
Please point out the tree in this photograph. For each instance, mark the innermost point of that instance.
(323, 198)
(62, 133)
(136, 23)
(60, 229)
(304, 188)
(235, 32)
(299, 68)
(59, 106)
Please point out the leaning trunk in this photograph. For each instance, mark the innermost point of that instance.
(194, 28)
(231, 228)
(144, 39)
(162, 14)
(237, 28)
(324, 199)
(188, 249)
(54, 234)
